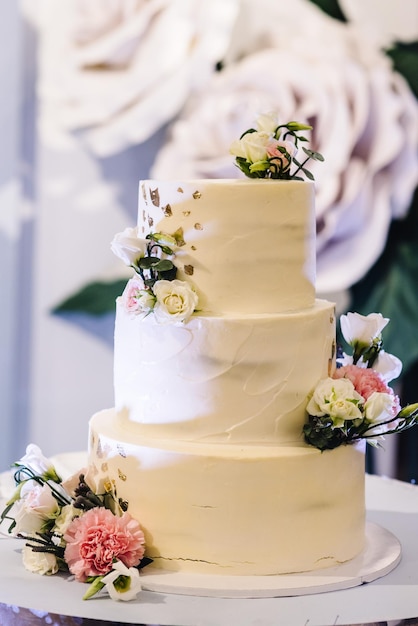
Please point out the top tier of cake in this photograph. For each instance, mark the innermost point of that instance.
(247, 246)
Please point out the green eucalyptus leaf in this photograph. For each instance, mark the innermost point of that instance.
(96, 298)
(405, 61)
(259, 166)
(331, 8)
(316, 156)
(307, 173)
(148, 261)
(164, 265)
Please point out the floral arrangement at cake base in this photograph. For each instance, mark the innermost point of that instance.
(357, 402)
(68, 527)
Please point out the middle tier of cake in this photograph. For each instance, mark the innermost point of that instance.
(235, 378)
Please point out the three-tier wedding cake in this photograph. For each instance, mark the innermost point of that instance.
(212, 376)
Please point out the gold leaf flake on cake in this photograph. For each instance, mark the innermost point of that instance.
(180, 190)
(179, 237)
(189, 269)
(121, 475)
(198, 226)
(92, 440)
(186, 213)
(108, 485)
(155, 196)
(144, 194)
(121, 450)
(197, 195)
(167, 210)
(99, 450)
(193, 247)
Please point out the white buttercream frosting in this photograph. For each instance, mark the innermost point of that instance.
(249, 245)
(235, 509)
(222, 377)
(205, 443)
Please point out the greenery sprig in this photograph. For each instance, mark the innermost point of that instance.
(270, 149)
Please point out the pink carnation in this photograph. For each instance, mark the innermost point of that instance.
(366, 381)
(97, 538)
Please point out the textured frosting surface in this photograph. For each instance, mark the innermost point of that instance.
(205, 441)
(222, 378)
(251, 510)
(248, 245)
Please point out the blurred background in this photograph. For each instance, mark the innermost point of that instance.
(98, 94)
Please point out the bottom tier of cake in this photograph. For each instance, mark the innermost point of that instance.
(234, 509)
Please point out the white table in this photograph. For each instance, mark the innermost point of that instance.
(391, 504)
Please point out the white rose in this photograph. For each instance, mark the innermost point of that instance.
(253, 147)
(38, 463)
(39, 498)
(128, 246)
(64, 519)
(28, 521)
(336, 398)
(378, 407)
(267, 122)
(125, 589)
(362, 329)
(343, 410)
(39, 562)
(176, 300)
(118, 70)
(388, 366)
(71, 483)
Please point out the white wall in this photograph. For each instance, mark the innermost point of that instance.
(10, 103)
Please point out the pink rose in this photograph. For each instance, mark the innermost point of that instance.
(97, 538)
(274, 150)
(367, 381)
(136, 298)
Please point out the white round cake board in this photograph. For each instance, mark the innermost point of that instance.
(381, 555)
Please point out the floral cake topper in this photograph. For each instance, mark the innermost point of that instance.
(357, 402)
(154, 287)
(68, 527)
(270, 150)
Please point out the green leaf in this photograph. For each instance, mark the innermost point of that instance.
(95, 298)
(331, 8)
(148, 261)
(164, 265)
(391, 288)
(307, 173)
(405, 61)
(94, 588)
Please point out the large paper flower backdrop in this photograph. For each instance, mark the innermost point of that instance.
(120, 69)
(365, 118)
